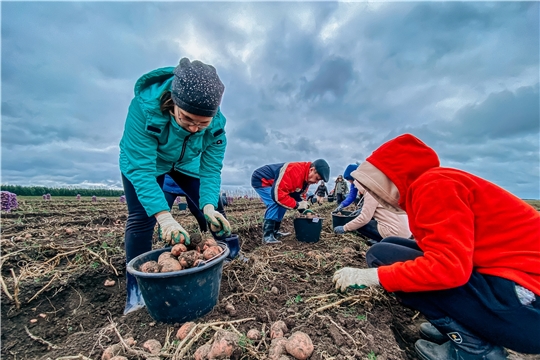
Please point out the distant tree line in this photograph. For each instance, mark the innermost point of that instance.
(40, 190)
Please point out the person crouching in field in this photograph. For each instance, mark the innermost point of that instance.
(173, 126)
(283, 186)
(474, 270)
(374, 221)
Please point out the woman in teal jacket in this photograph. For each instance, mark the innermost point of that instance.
(174, 126)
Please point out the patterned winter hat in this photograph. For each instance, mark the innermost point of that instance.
(196, 88)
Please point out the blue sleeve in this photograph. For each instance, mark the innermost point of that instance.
(350, 198)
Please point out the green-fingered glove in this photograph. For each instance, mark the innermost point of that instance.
(217, 221)
(355, 278)
(171, 231)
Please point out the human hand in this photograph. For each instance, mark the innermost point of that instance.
(171, 231)
(217, 221)
(338, 209)
(302, 205)
(339, 230)
(355, 278)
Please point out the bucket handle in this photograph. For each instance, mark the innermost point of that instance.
(204, 262)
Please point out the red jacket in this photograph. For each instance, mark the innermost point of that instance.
(461, 222)
(288, 181)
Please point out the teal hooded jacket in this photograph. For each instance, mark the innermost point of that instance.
(153, 144)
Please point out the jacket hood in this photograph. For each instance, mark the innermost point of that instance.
(155, 82)
(391, 169)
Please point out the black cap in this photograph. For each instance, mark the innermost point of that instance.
(322, 168)
(196, 88)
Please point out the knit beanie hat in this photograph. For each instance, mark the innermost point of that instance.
(322, 168)
(349, 170)
(196, 88)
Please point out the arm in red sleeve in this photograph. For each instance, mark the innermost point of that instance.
(440, 212)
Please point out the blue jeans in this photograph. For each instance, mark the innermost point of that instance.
(274, 211)
(486, 305)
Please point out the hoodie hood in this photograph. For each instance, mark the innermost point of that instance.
(393, 167)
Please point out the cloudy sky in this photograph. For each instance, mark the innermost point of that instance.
(303, 81)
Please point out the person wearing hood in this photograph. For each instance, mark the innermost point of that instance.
(174, 126)
(352, 197)
(283, 186)
(375, 221)
(474, 270)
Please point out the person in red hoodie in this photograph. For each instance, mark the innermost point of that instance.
(283, 186)
(474, 269)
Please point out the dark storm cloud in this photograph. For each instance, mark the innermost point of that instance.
(302, 81)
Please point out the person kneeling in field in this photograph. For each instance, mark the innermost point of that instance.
(474, 270)
(374, 221)
(283, 186)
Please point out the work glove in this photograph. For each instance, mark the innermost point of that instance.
(338, 209)
(355, 278)
(302, 205)
(171, 231)
(339, 230)
(217, 221)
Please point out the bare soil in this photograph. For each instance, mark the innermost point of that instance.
(57, 255)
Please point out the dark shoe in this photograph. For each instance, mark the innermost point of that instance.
(233, 243)
(268, 232)
(277, 234)
(371, 242)
(449, 351)
(430, 333)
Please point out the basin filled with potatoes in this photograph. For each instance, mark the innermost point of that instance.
(180, 283)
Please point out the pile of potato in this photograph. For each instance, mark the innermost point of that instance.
(184, 257)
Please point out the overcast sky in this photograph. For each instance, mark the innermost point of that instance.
(302, 81)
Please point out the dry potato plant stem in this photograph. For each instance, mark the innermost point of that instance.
(128, 349)
(38, 339)
(334, 304)
(16, 289)
(103, 261)
(247, 346)
(43, 288)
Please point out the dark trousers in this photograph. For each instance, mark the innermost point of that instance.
(487, 305)
(370, 230)
(340, 198)
(140, 226)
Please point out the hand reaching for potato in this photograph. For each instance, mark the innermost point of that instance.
(171, 231)
(217, 221)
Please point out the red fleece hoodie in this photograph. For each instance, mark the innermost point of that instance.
(460, 221)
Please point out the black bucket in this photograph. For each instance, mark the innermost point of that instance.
(340, 220)
(182, 206)
(179, 296)
(308, 230)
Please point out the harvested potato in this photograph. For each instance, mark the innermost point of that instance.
(230, 309)
(150, 267)
(119, 357)
(195, 240)
(254, 334)
(153, 346)
(184, 330)
(211, 252)
(178, 249)
(225, 343)
(169, 265)
(205, 244)
(187, 259)
(112, 351)
(277, 348)
(202, 352)
(299, 345)
(278, 329)
(164, 256)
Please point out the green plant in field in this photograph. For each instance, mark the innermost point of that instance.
(293, 279)
(361, 317)
(371, 355)
(298, 299)
(77, 258)
(95, 265)
(244, 341)
(288, 302)
(300, 255)
(104, 245)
